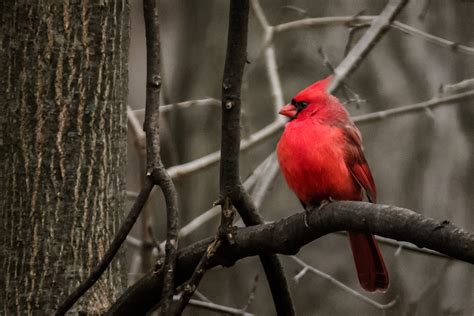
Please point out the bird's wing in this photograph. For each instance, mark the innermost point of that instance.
(356, 162)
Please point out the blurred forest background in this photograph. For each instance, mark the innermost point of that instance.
(423, 160)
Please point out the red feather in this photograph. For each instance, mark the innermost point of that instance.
(321, 157)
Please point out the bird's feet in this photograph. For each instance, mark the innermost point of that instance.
(309, 209)
(325, 202)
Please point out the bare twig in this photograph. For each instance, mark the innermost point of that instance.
(352, 32)
(409, 247)
(201, 296)
(186, 105)
(265, 180)
(224, 233)
(288, 235)
(364, 118)
(270, 60)
(190, 287)
(137, 129)
(131, 194)
(252, 294)
(354, 20)
(211, 159)
(379, 26)
(111, 251)
(306, 267)
(400, 245)
(456, 47)
(155, 168)
(455, 87)
(137, 243)
(218, 308)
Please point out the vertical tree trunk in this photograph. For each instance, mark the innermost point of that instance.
(63, 88)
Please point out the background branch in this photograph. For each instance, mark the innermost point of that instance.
(379, 26)
(358, 20)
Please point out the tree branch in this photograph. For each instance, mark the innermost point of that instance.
(230, 185)
(155, 167)
(218, 308)
(288, 235)
(357, 20)
(339, 284)
(223, 234)
(379, 26)
(186, 105)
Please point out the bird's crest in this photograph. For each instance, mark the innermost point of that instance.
(315, 90)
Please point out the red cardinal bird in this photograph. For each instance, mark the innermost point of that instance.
(321, 157)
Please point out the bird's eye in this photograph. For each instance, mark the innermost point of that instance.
(300, 105)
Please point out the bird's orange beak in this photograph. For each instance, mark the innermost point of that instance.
(289, 110)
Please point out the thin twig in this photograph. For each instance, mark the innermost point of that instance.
(131, 194)
(155, 167)
(400, 245)
(111, 251)
(265, 181)
(137, 243)
(455, 87)
(188, 289)
(378, 28)
(137, 129)
(270, 60)
(410, 247)
(186, 105)
(252, 294)
(201, 296)
(354, 20)
(218, 308)
(191, 286)
(339, 284)
(211, 159)
(364, 118)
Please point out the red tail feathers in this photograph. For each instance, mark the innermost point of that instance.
(368, 261)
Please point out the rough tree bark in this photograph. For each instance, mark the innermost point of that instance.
(63, 87)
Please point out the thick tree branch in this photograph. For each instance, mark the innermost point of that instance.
(288, 235)
(155, 167)
(231, 85)
(230, 185)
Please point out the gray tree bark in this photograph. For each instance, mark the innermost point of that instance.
(63, 88)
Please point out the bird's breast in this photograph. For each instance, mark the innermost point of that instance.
(312, 160)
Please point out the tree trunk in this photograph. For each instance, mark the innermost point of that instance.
(63, 88)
